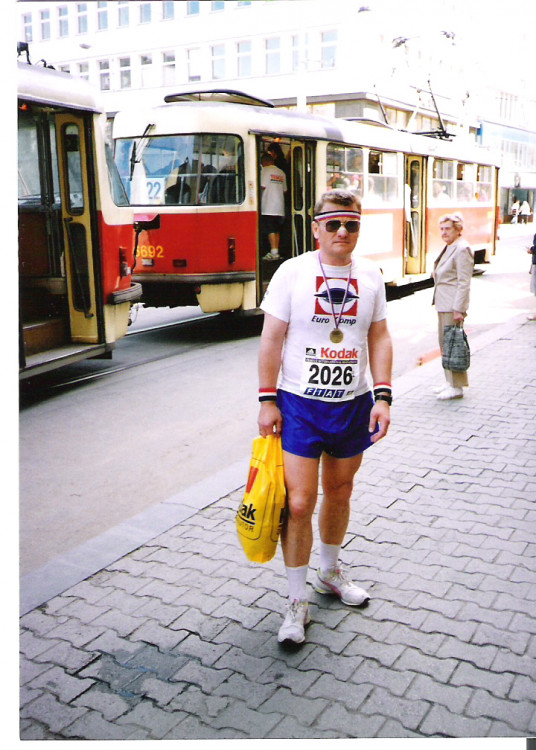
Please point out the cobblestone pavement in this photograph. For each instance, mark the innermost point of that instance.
(177, 640)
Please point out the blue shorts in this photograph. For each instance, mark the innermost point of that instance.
(312, 427)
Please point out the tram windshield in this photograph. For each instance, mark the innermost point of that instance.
(186, 170)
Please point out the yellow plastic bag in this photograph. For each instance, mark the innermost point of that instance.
(260, 514)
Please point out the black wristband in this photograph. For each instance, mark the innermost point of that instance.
(383, 397)
(265, 398)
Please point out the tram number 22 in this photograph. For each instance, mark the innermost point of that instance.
(333, 375)
(151, 251)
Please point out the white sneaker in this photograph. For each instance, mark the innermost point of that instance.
(272, 256)
(335, 582)
(449, 393)
(439, 388)
(297, 617)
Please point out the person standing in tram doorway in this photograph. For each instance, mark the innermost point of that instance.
(325, 323)
(274, 187)
(452, 274)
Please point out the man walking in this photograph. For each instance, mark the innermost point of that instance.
(325, 319)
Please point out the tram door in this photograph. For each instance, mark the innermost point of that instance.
(302, 196)
(76, 222)
(296, 236)
(414, 206)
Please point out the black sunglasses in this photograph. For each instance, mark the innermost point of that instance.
(351, 226)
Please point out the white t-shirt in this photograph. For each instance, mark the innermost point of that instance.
(313, 366)
(274, 182)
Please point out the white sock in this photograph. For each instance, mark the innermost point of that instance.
(329, 556)
(297, 582)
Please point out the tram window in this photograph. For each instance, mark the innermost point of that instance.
(443, 181)
(484, 184)
(186, 170)
(75, 187)
(383, 181)
(29, 180)
(37, 147)
(465, 185)
(344, 168)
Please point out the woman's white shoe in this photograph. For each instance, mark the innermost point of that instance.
(449, 393)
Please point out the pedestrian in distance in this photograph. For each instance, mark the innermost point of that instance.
(452, 274)
(274, 187)
(516, 206)
(325, 324)
(524, 212)
(532, 271)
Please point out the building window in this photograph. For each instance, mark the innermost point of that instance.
(243, 52)
(65, 69)
(104, 75)
(83, 71)
(146, 62)
(328, 52)
(63, 21)
(218, 5)
(300, 52)
(123, 18)
(218, 61)
(273, 58)
(27, 26)
(81, 9)
(102, 15)
(125, 75)
(44, 16)
(145, 13)
(194, 64)
(192, 8)
(168, 68)
(244, 3)
(168, 10)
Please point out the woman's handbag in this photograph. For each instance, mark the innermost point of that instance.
(456, 352)
(260, 515)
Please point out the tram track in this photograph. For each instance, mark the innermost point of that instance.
(216, 329)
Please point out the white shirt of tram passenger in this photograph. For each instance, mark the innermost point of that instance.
(312, 366)
(274, 184)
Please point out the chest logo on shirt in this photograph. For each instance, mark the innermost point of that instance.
(337, 289)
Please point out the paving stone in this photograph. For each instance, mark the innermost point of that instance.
(52, 713)
(383, 703)
(496, 683)
(64, 686)
(253, 724)
(284, 702)
(100, 698)
(206, 678)
(426, 688)
(443, 723)
(515, 714)
(165, 638)
(252, 694)
(480, 656)
(349, 723)
(523, 688)
(153, 719)
(66, 656)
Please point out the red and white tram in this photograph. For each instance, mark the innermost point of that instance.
(191, 170)
(76, 233)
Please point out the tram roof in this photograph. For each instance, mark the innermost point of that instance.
(52, 87)
(241, 119)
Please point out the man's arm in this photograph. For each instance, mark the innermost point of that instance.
(271, 349)
(380, 349)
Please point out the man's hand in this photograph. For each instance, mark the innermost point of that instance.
(380, 415)
(270, 419)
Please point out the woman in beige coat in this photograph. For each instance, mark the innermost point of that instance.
(452, 274)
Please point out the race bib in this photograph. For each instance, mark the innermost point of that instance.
(329, 373)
